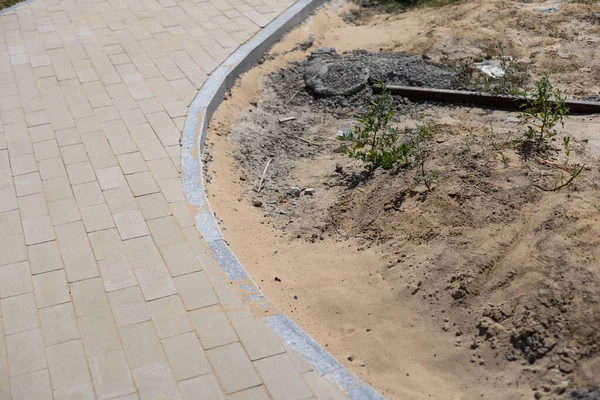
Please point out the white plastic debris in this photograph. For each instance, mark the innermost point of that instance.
(492, 68)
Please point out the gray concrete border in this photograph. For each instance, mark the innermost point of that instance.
(194, 135)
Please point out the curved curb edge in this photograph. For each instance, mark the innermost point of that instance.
(192, 142)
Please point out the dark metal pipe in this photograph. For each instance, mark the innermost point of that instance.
(512, 103)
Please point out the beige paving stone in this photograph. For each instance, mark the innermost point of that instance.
(67, 137)
(142, 252)
(169, 316)
(128, 306)
(38, 230)
(166, 231)
(281, 378)
(152, 149)
(72, 237)
(88, 194)
(73, 154)
(41, 133)
(111, 178)
(99, 333)
(156, 382)
(52, 168)
(193, 238)
(116, 274)
(301, 364)
(256, 393)
(67, 364)
(195, 290)
(81, 173)
(163, 169)
(57, 189)
(25, 352)
(107, 245)
(131, 224)
(4, 379)
(85, 391)
(46, 150)
(181, 211)
(213, 327)
(51, 288)
(142, 183)
(89, 297)
(111, 375)
(233, 368)
(186, 356)
(32, 206)
(142, 345)
(23, 164)
(322, 388)
(120, 200)
(28, 184)
(180, 259)
(64, 211)
(172, 189)
(12, 249)
(204, 387)
(19, 313)
(34, 385)
(10, 223)
(132, 163)
(99, 151)
(59, 324)
(80, 264)
(15, 279)
(153, 206)
(8, 199)
(258, 340)
(97, 218)
(155, 282)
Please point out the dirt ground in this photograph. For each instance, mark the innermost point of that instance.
(483, 287)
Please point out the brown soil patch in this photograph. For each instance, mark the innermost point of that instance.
(484, 287)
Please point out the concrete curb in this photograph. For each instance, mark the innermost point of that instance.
(194, 134)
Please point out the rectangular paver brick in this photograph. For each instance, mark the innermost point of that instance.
(322, 388)
(282, 379)
(258, 339)
(131, 224)
(155, 281)
(233, 368)
(142, 183)
(67, 364)
(166, 231)
(33, 206)
(12, 249)
(256, 393)
(57, 189)
(19, 313)
(15, 279)
(128, 306)
(89, 297)
(59, 324)
(156, 382)
(84, 391)
(169, 316)
(142, 252)
(81, 172)
(213, 327)
(142, 345)
(80, 264)
(186, 356)
(116, 274)
(111, 375)
(180, 259)
(25, 352)
(111, 178)
(88, 194)
(96, 218)
(196, 290)
(64, 211)
(153, 206)
(204, 387)
(120, 200)
(34, 385)
(38, 230)
(51, 288)
(99, 333)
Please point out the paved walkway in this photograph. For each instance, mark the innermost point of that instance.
(106, 289)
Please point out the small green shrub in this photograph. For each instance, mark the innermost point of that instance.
(543, 110)
(373, 141)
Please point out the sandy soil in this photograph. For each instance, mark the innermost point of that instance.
(485, 287)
